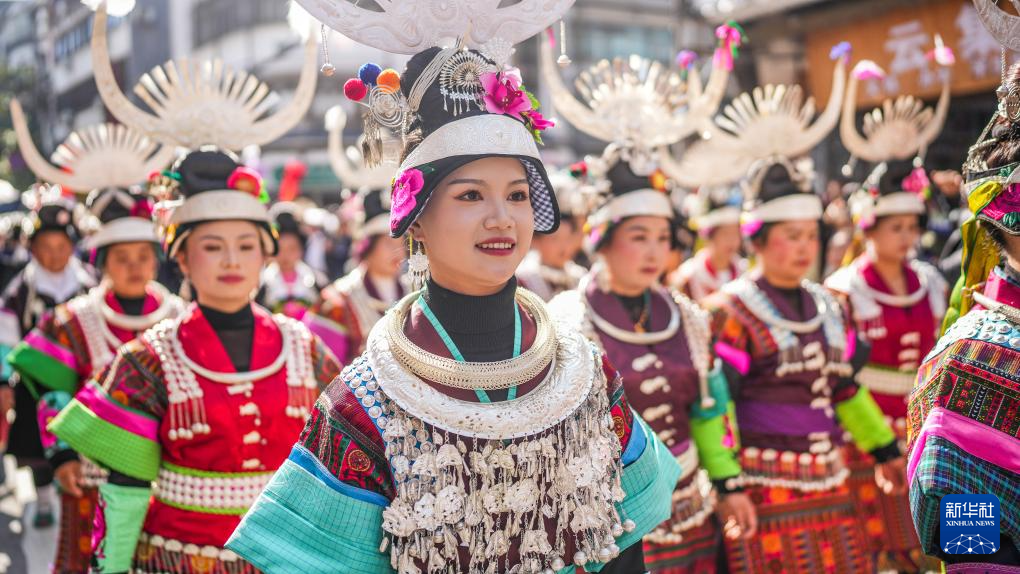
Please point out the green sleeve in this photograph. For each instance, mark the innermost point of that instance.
(119, 517)
(711, 431)
(863, 419)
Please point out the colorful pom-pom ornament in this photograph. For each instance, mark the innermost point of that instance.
(247, 180)
(368, 73)
(840, 50)
(685, 59)
(355, 89)
(389, 81)
(658, 180)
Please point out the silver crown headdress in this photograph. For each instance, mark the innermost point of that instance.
(406, 27)
(202, 103)
(470, 44)
(486, 27)
(898, 130)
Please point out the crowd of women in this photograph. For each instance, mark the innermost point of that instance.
(517, 373)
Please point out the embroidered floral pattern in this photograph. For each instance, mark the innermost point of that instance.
(503, 93)
(1005, 207)
(99, 529)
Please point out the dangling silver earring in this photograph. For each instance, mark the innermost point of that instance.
(417, 264)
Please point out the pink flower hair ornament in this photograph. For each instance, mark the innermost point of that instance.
(249, 181)
(503, 93)
(748, 226)
(917, 183)
(731, 36)
(143, 208)
(404, 195)
(685, 59)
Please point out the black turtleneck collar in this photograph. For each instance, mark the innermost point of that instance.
(793, 297)
(240, 319)
(635, 305)
(236, 332)
(482, 327)
(131, 305)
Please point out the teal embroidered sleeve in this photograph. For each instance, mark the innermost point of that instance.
(306, 520)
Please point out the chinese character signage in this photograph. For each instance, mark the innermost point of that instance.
(899, 42)
(969, 524)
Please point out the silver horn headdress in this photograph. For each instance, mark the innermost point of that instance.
(900, 129)
(1005, 27)
(405, 27)
(635, 103)
(98, 156)
(769, 122)
(197, 103)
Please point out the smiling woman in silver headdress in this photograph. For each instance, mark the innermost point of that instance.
(473, 434)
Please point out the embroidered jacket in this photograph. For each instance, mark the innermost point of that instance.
(386, 477)
(23, 305)
(347, 310)
(293, 294)
(545, 281)
(663, 382)
(794, 387)
(74, 343)
(697, 279)
(159, 413)
(964, 416)
(901, 330)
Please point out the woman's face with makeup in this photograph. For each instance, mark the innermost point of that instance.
(223, 261)
(788, 251)
(636, 253)
(477, 226)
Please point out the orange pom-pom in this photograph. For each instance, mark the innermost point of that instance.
(658, 180)
(388, 81)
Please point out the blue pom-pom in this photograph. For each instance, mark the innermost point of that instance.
(841, 50)
(368, 73)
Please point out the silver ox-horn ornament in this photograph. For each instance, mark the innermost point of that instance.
(103, 155)
(769, 121)
(1004, 26)
(198, 103)
(412, 26)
